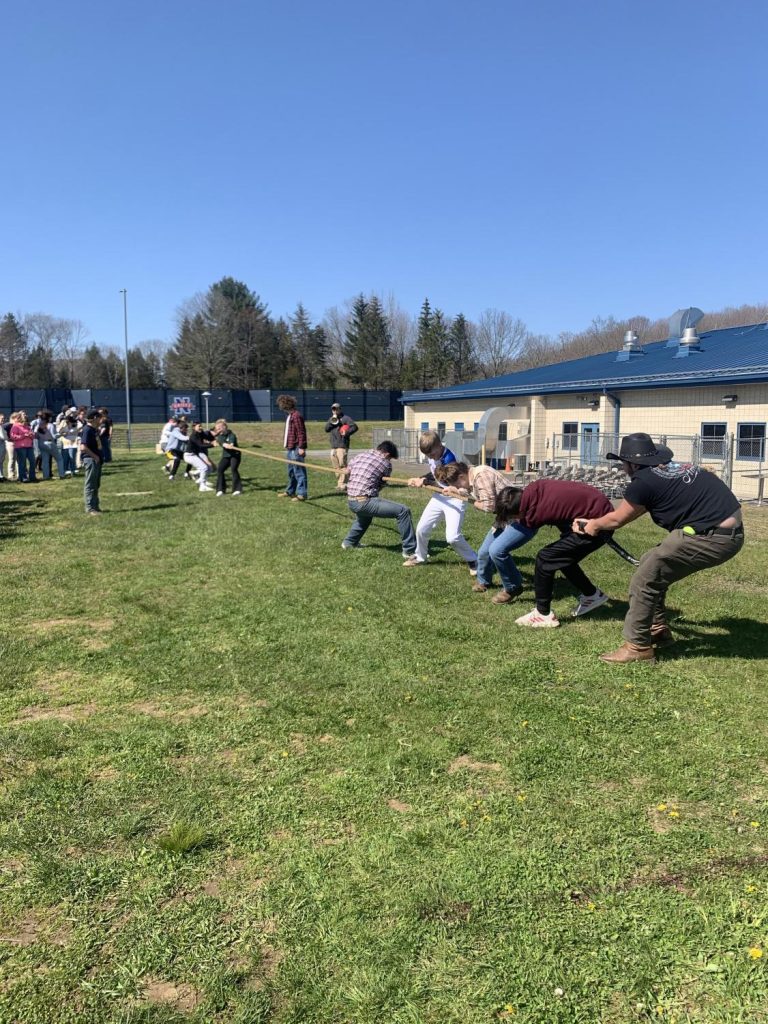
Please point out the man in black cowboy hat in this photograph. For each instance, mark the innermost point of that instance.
(705, 529)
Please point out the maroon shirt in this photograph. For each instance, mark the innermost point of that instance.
(559, 502)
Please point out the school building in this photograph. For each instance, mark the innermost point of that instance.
(705, 395)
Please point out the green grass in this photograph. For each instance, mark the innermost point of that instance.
(246, 777)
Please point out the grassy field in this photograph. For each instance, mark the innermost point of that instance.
(247, 777)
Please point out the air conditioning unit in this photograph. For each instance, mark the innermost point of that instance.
(521, 463)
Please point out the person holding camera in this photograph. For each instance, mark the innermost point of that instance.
(341, 428)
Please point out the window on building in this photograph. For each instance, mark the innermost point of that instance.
(570, 437)
(441, 430)
(424, 426)
(503, 431)
(476, 426)
(458, 426)
(750, 441)
(713, 440)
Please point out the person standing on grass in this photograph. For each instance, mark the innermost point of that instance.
(196, 455)
(22, 437)
(341, 428)
(68, 437)
(365, 478)
(227, 439)
(703, 517)
(295, 444)
(440, 507)
(48, 447)
(90, 460)
(106, 428)
(3, 445)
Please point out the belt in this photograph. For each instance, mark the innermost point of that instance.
(716, 531)
(360, 497)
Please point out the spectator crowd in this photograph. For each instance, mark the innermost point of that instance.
(30, 451)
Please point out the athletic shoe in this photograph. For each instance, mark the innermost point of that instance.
(298, 497)
(187, 475)
(479, 588)
(411, 561)
(236, 494)
(205, 487)
(284, 494)
(347, 545)
(94, 512)
(472, 566)
(505, 596)
(588, 604)
(170, 477)
(538, 621)
(219, 494)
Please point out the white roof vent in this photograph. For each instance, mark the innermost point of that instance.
(689, 343)
(679, 321)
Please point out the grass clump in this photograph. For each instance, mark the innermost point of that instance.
(183, 838)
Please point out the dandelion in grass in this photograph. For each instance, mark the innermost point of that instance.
(524, 725)
(754, 824)
(755, 953)
(521, 798)
(591, 907)
(661, 807)
(750, 888)
(674, 814)
(283, 753)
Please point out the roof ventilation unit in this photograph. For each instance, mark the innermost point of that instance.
(630, 349)
(690, 342)
(681, 320)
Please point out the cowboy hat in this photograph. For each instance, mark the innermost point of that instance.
(640, 450)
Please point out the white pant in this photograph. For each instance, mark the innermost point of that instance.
(453, 510)
(198, 463)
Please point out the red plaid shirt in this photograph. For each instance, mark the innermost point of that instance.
(366, 472)
(297, 432)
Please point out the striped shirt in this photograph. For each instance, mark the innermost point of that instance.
(366, 473)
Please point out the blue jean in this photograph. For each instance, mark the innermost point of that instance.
(297, 475)
(92, 483)
(50, 452)
(365, 511)
(494, 554)
(106, 449)
(25, 462)
(69, 460)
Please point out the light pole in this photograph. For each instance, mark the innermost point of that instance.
(206, 396)
(127, 382)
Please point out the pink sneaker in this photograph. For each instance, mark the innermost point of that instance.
(538, 621)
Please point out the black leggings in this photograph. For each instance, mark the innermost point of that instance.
(229, 459)
(563, 556)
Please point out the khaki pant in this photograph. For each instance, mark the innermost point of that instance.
(675, 558)
(339, 463)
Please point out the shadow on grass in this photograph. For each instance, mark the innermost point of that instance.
(737, 638)
(14, 513)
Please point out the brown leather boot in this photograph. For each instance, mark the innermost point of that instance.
(629, 652)
(663, 637)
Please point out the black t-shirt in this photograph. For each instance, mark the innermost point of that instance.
(90, 438)
(680, 494)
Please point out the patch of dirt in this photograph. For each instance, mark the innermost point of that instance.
(154, 710)
(47, 625)
(451, 913)
(66, 713)
(465, 762)
(93, 642)
(184, 998)
(32, 928)
(298, 743)
(212, 888)
(398, 805)
(326, 738)
(271, 959)
(55, 683)
(106, 774)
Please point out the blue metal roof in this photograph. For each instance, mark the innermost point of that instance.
(734, 355)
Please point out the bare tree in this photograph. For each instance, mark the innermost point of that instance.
(500, 338)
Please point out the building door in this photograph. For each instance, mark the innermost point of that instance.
(590, 444)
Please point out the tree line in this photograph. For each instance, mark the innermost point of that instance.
(227, 338)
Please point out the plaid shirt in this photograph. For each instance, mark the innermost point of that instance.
(485, 484)
(296, 434)
(366, 473)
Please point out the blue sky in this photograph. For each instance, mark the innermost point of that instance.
(554, 159)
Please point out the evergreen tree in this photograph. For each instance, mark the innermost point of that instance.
(367, 347)
(38, 370)
(311, 349)
(93, 370)
(13, 350)
(461, 352)
(432, 350)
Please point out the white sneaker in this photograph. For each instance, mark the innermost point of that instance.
(205, 487)
(411, 561)
(219, 494)
(347, 545)
(236, 494)
(538, 621)
(588, 604)
(170, 476)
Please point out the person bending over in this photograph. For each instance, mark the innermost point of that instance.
(703, 517)
(452, 510)
(227, 439)
(365, 479)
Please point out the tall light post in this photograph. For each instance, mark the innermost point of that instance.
(127, 382)
(206, 396)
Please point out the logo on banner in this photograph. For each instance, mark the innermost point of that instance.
(182, 405)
